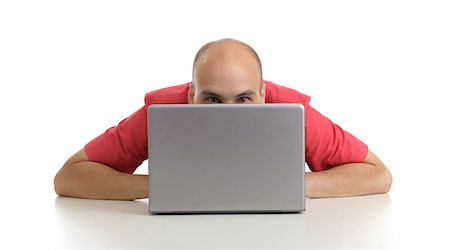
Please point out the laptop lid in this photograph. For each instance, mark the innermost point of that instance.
(226, 158)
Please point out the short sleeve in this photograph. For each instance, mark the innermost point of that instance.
(328, 145)
(122, 147)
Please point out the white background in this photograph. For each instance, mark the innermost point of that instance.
(71, 69)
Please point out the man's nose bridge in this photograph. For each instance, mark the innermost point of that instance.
(225, 101)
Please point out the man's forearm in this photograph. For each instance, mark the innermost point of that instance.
(348, 180)
(96, 181)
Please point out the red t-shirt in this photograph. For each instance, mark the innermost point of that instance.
(124, 147)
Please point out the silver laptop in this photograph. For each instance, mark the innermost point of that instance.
(226, 158)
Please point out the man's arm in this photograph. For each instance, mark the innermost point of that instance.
(368, 177)
(82, 178)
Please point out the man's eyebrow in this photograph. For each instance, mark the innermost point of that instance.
(210, 93)
(207, 92)
(247, 92)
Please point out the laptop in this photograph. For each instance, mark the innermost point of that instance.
(226, 158)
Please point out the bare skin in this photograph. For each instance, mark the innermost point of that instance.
(226, 73)
(82, 178)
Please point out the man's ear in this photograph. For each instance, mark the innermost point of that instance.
(262, 92)
(191, 93)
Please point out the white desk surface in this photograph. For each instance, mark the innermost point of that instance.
(366, 222)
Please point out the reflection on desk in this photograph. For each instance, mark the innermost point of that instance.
(356, 222)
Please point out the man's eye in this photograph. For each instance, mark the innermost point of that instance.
(213, 99)
(244, 99)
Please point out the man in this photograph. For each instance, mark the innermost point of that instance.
(224, 71)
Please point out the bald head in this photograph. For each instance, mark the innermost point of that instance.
(226, 50)
(226, 71)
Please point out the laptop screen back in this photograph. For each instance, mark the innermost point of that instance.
(226, 158)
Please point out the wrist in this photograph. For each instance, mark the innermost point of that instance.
(141, 187)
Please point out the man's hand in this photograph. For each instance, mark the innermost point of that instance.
(368, 177)
(82, 178)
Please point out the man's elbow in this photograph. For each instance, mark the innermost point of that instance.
(57, 185)
(385, 180)
(59, 182)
